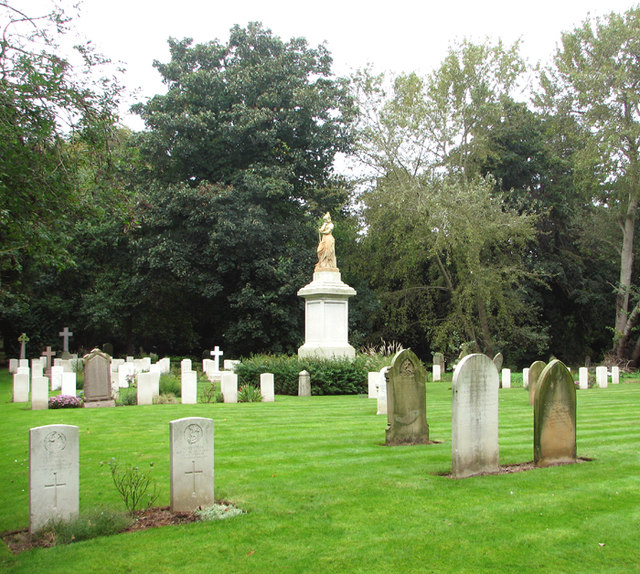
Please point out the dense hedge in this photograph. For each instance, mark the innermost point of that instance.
(328, 376)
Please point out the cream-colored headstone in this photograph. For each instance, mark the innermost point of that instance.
(229, 387)
(189, 388)
(267, 389)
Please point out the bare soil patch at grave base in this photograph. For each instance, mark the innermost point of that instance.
(517, 467)
(20, 540)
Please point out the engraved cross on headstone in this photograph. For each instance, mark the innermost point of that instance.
(216, 354)
(55, 487)
(65, 334)
(193, 472)
(23, 340)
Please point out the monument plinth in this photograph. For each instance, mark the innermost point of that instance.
(326, 304)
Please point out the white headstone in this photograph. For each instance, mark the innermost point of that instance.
(191, 463)
(372, 391)
(13, 366)
(506, 378)
(21, 388)
(185, 365)
(304, 384)
(189, 388)
(207, 366)
(230, 364)
(165, 365)
(602, 378)
(68, 387)
(615, 375)
(437, 375)
(381, 385)
(126, 372)
(267, 389)
(23, 363)
(146, 387)
(583, 377)
(37, 368)
(525, 378)
(474, 434)
(56, 378)
(53, 474)
(40, 394)
(230, 387)
(156, 368)
(115, 364)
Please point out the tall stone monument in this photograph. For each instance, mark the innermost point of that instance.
(326, 303)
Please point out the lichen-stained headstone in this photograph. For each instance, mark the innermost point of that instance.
(497, 361)
(474, 436)
(53, 474)
(534, 374)
(406, 401)
(191, 441)
(554, 416)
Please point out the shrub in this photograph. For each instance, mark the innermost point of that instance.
(170, 385)
(168, 399)
(137, 487)
(208, 393)
(127, 397)
(217, 512)
(65, 402)
(328, 376)
(249, 394)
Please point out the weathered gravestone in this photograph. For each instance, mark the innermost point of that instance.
(406, 401)
(189, 388)
(267, 387)
(474, 424)
(534, 374)
(53, 474)
(554, 416)
(229, 387)
(97, 380)
(438, 359)
(304, 384)
(498, 360)
(191, 463)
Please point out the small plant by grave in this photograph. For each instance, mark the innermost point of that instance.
(137, 487)
(218, 511)
(249, 394)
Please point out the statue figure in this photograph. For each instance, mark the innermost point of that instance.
(326, 246)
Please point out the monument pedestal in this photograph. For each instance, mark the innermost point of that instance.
(326, 310)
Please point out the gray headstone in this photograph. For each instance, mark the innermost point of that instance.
(191, 463)
(554, 416)
(39, 393)
(267, 389)
(304, 384)
(97, 377)
(53, 474)
(229, 387)
(189, 388)
(498, 360)
(406, 401)
(474, 428)
(438, 359)
(21, 388)
(535, 370)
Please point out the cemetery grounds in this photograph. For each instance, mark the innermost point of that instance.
(322, 493)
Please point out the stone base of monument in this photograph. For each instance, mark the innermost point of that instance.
(109, 403)
(326, 304)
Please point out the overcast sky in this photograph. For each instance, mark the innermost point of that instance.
(397, 35)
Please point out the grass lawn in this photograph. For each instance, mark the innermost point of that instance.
(323, 495)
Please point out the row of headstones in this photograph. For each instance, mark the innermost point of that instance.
(54, 469)
(475, 388)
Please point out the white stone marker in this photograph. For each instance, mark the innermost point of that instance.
(615, 375)
(53, 474)
(23, 363)
(39, 394)
(13, 366)
(525, 378)
(20, 388)
(229, 387)
(146, 387)
(583, 377)
(230, 364)
(506, 378)
(125, 372)
(474, 436)
(165, 365)
(304, 384)
(189, 388)
(437, 375)
(191, 441)
(56, 378)
(68, 384)
(216, 354)
(267, 387)
(185, 365)
(601, 377)
(381, 385)
(372, 379)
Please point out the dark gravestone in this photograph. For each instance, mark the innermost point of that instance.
(535, 370)
(97, 379)
(554, 416)
(406, 401)
(438, 359)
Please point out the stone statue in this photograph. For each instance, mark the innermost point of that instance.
(326, 246)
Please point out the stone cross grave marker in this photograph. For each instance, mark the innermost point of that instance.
(23, 340)
(216, 354)
(97, 379)
(65, 334)
(53, 474)
(191, 441)
(48, 354)
(474, 426)
(406, 401)
(534, 374)
(267, 387)
(304, 384)
(554, 416)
